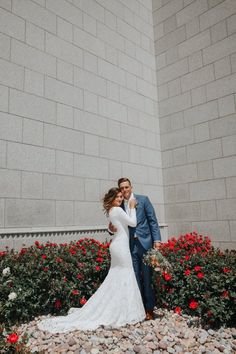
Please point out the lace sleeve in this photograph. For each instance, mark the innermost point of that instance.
(124, 218)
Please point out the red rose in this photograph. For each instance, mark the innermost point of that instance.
(187, 272)
(193, 305)
(57, 304)
(178, 310)
(99, 259)
(44, 256)
(58, 260)
(197, 268)
(225, 294)
(226, 270)
(75, 292)
(83, 301)
(187, 258)
(166, 276)
(97, 268)
(79, 276)
(200, 275)
(12, 338)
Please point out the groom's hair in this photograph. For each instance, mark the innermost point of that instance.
(123, 179)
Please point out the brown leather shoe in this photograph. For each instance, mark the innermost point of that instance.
(149, 315)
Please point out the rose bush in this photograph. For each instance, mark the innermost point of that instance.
(202, 280)
(50, 278)
(11, 342)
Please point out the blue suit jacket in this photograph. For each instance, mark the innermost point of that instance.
(147, 229)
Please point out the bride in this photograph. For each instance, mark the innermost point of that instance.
(117, 301)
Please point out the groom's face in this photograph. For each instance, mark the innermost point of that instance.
(126, 189)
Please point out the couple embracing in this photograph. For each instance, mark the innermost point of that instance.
(126, 295)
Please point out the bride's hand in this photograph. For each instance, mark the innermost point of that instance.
(132, 203)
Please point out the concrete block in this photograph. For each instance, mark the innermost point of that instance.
(2, 212)
(197, 78)
(142, 25)
(31, 106)
(208, 210)
(134, 154)
(32, 132)
(146, 44)
(217, 13)
(175, 104)
(229, 145)
(180, 174)
(110, 20)
(170, 24)
(182, 211)
(113, 91)
(177, 138)
(169, 194)
(131, 81)
(34, 36)
(192, 27)
(11, 127)
(88, 42)
(163, 92)
(225, 167)
(64, 213)
(63, 93)
(5, 4)
(64, 30)
(193, 44)
(146, 89)
(181, 193)
(231, 187)
(115, 131)
(150, 157)
(63, 50)
(195, 61)
(30, 158)
(172, 55)
(174, 88)
(172, 71)
(93, 9)
(40, 2)
(90, 167)
(112, 38)
(10, 183)
(146, 57)
(154, 192)
(170, 9)
(213, 3)
(91, 144)
(63, 138)
(205, 170)
(65, 10)
(90, 62)
(112, 110)
(111, 72)
(198, 95)
(65, 71)
(153, 140)
(33, 58)
(65, 115)
(231, 27)
(129, 64)
(233, 62)
(89, 24)
(134, 118)
(64, 163)
(179, 156)
(226, 209)
(219, 50)
(218, 31)
(111, 149)
(90, 123)
(226, 105)
(11, 75)
(84, 211)
(222, 67)
(63, 187)
(216, 230)
(201, 113)
(4, 98)
(92, 190)
(111, 55)
(158, 31)
(5, 46)
(90, 102)
(177, 121)
(206, 150)
(167, 158)
(32, 185)
(34, 83)
(35, 14)
(12, 25)
(3, 153)
(170, 40)
(207, 190)
(29, 213)
(115, 170)
(161, 61)
(128, 31)
(223, 127)
(201, 132)
(136, 173)
(89, 81)
(188, 13)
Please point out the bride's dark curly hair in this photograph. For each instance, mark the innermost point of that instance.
(109, 197)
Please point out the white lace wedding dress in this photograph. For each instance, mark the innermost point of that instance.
(117, 301)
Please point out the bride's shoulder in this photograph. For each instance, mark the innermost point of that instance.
(114, 210)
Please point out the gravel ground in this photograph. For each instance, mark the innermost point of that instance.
(168, 333)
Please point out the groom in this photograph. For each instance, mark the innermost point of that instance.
(142, 237)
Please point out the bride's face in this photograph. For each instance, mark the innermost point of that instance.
(118, 200)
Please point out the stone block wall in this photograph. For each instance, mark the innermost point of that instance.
(78, 109)
(195, 47)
